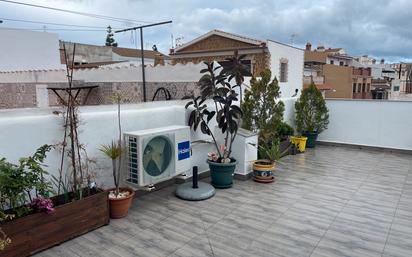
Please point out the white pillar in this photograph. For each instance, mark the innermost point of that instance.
(42, 96)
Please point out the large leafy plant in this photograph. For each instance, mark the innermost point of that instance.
(215, 83)
(261, 109)
(21, 183)
(311, 111)
(234, 69)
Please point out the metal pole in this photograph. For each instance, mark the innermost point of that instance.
(195, 177)
(143, 72)
(141, 49)
(144, 26)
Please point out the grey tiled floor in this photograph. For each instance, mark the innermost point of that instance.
(331, 201)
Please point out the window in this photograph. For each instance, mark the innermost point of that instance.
(359, 87)
(283, 76)
(332, 62)
(369, 87)
(354, 88)
(396, 88)
(341, 63)
(363, 88)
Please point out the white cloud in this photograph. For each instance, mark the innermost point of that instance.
(377, 27)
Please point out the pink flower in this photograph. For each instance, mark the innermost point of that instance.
(43, 204)
(211, 155)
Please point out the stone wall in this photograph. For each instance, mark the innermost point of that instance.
(24, 95)
(259, 61)
(17, 95)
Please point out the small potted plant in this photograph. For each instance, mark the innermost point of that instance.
(263, 168)
(227, 115)
(120, 198)
(311, 114)
(299, 143)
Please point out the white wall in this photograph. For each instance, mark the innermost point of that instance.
(295, 57)
(289, 114)
(368, 122)
(25, 50)
(22, 131)
(337, 60)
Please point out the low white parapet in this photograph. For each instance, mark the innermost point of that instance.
(373, 123)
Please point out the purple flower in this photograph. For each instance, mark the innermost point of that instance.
(43, 204)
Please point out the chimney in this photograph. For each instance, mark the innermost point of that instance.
(382, 61)
(308, 46)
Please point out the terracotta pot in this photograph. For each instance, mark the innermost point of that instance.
(119, 207)
(263, 171)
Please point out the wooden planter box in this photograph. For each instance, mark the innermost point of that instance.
(284, 145)
(40, 231)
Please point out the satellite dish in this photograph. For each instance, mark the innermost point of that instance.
(157, 155)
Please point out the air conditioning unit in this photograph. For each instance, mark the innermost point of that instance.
(156, 155)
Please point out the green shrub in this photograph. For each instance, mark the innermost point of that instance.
(20, 183)
(260, 108)
(284, 130)
(311, 111)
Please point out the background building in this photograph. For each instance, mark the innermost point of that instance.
(402, 84)
(284, 61)
(333, 71)
(90, 56)
(28, 50)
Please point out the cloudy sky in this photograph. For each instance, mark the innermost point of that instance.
(379, 28)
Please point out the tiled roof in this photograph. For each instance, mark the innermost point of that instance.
(130, 52)
(223, 34)
(95, 64)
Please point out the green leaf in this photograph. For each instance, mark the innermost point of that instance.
(188, 104)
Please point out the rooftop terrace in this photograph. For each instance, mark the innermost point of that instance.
(330, 201)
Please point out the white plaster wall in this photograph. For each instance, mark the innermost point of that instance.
(24, 50)
(22, 131)
(368, 122)
(337, 60)
(295, 57)
(289, 114)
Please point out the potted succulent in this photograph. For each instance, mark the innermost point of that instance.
(120, 198)
(263, 168)
(227, 115)
(311, 114)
